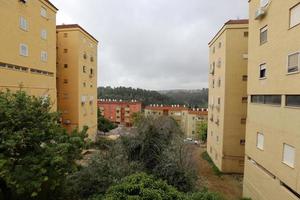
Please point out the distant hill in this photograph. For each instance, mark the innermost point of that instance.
(193, 98)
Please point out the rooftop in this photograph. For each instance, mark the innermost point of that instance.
(70, 26)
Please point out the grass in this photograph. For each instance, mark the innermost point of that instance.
(215, 169)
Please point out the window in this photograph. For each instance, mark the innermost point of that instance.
(84, 84)
(262, 70)
(243, 121)
(260, 141)
(220, 44)
(91, 71)
(219, 82)
(44, 56)
(213, 83)
(43, 12)
(23, 50)
(65, 50)
(217, 138)
(84, 56)
(293, 62)
(263, 35)
(66, 81)
(244, 99)
(219, 101)
(246, 34)
(292, 100)
(65, 35)
(295, 15)
(219, 62)
(44, 34)
(84, 69)
(23, 24)
(65, 65)
(288, 155)
(266, 99)
(242, 142)
(245, 78)
(214, 49)
(92, 59)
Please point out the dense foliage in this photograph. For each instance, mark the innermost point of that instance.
(36, 153)
(104, 124)
(192, 98)
(203, 131)
(142, 186)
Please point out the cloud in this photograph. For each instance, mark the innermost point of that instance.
(152, 44)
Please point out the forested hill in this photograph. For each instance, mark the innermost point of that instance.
(193, 98)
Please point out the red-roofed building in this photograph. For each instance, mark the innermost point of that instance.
(119, 112)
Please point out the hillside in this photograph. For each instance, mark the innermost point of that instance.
(193, 98)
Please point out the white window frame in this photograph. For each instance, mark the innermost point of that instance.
(297, 22)
(292, 156)
(44, 34)
(43, 12)
(287, 62)
(263, 29)
(22, 45)
(261, 67)
(44, 56)
(260, 145)
(23, 23)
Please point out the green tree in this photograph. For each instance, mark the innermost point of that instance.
(104, 124)
(143, 186)
(36, 153)
(202, 131)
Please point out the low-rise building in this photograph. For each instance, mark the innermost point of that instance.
(119, 112)
(77, 78)
(187, 119)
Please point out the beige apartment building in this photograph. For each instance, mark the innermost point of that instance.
(188, 119)
(77, 78)
(272, 164)
(28, 47)
(228, 96)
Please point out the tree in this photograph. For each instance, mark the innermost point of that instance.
(143, 186)
(104, 124)
(202, 131)
(36, 153)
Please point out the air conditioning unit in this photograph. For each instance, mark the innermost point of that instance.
(260, 13)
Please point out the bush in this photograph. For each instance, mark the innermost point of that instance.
(143, 186)
(204, 195)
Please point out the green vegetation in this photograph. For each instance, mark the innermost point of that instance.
(36, 153)
(215, 169)
(104, 124)
(203, 131)
(192, 98)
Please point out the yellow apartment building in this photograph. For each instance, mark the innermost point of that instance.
(28, 47)
(272, 163)
(188, 120)
(193, 122)
(228, 96)
(77, 78)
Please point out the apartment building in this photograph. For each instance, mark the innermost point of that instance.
(228, 96)
(77, 78)
(194, 120)
(28, 47)
(119, 112)
(187, 119)
(272, 164)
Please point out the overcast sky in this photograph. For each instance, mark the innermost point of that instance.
(152, 44)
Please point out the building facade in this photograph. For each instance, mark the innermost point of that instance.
(28, 47)
(228, 96)
(272, 163)
(187, 119)
(119, 112)
(77, 78)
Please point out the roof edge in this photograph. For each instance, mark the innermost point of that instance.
(67, 26)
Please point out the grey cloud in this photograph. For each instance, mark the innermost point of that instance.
(153, 44)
